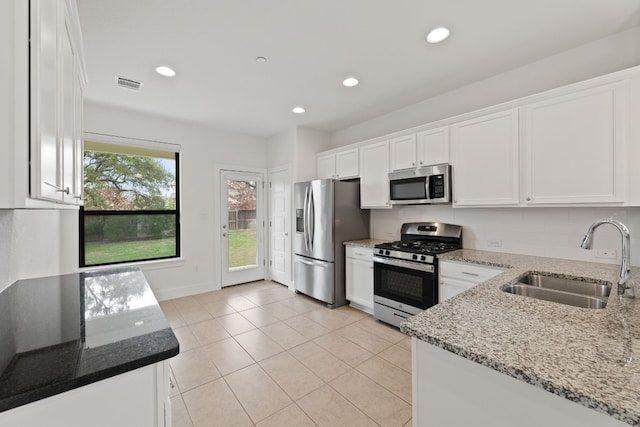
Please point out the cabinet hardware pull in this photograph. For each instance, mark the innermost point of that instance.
(528, 199)
(470, 274)
(65, 190)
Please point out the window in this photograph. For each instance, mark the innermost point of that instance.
(131, 200)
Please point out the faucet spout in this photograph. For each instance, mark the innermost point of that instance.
(625, 266)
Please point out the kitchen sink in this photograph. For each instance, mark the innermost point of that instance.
(571, 291)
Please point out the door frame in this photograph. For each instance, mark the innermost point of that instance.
(288, 168)
(217, 223)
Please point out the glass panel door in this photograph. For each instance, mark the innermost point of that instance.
(242, 227)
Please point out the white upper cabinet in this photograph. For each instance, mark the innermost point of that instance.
(326, 166)
(56, 84)
(402, 152)
(347, 164)
(573, 147)
(433, 146)
(430, 147)
(374, 175)
(339, 165)
(485, 160)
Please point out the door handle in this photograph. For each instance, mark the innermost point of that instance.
(315, 264)
(312, 218)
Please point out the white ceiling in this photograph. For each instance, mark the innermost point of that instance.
(311, 46)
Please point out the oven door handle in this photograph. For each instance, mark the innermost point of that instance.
(405, 264)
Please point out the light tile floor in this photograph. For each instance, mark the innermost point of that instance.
(260, 355)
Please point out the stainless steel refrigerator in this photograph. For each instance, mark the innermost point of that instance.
(327, 215)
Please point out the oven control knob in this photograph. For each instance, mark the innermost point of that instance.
(423, 258)
(381, 252)
(386, 252)
(414, 257)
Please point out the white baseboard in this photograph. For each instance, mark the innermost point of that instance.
(185, 291)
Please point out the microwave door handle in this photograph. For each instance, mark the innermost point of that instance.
(426, 183)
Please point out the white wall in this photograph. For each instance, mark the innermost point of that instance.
(550, 232)
(280, 148)
(202, 149)
(554, 232)
(308, 143)
(31, 244)
(603, 56)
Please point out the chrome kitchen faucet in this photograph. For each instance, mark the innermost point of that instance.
(625, 266)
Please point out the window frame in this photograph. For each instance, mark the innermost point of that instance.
(87, 213)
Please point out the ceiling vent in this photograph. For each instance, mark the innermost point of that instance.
(128, 83)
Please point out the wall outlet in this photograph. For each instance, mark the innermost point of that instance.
(494, 243)
(606, 253)
(196, 268)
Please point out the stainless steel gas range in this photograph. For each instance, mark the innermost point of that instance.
(406, 272)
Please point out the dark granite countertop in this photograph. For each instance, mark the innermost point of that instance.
(62, 332)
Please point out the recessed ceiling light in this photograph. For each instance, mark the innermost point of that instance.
(298, 110)
(437, 35)
(350, 82)
(261, 59)
(165, 71)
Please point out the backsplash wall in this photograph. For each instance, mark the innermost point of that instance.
(549, 232)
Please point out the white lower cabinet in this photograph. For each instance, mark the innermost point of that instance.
(449, 390)
(359, 277)
(136, 398)
(455, 277)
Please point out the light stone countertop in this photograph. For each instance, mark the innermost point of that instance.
(365, 243)
(576, 353)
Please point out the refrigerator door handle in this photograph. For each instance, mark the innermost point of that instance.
(305, 219)
(312, 218)
(313, 263)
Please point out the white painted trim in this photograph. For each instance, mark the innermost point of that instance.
(185, 291)
(289, 168)
(217, 242)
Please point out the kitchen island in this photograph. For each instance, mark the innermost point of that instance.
(84, 349)
(487, 357)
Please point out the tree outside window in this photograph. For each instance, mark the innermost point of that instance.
(130, 208)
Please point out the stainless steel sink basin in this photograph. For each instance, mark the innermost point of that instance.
(576, 286)
(575, 292)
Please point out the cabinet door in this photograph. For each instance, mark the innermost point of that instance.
(433, 146)
(46, 180)
(78, 145)
(374, 176)
(326, 166)
(347, 164)
(359, 283)
(67, 85)
(402, 152)
(448, 288)
(485, 160)
(574, 147)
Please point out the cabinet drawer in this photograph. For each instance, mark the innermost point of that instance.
(466, 271)
(358, 252)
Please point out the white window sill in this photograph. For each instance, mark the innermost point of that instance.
(157, 264)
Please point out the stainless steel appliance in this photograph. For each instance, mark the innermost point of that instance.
(327, 215)
(425, 185)
(405, 279)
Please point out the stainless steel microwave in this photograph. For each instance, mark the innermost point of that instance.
(425, 185)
